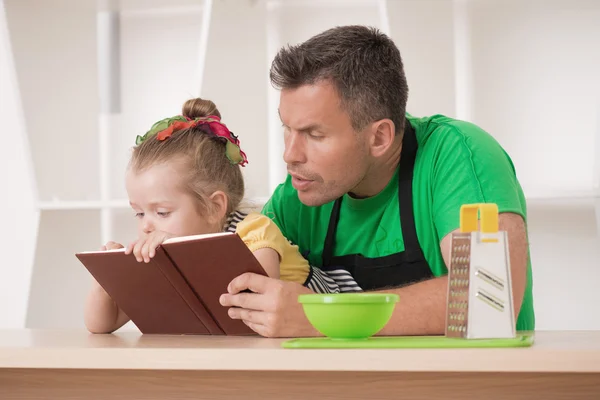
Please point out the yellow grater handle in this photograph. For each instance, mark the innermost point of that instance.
(489, 217)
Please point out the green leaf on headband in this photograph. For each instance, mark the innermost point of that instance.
(232, 152)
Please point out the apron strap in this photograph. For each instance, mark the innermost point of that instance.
(408, 155)
(331, 230)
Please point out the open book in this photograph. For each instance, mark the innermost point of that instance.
(178, 291)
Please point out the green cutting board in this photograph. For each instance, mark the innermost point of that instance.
(407, 342)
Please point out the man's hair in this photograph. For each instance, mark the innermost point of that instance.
(363, 64)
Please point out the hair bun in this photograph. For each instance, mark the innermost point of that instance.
(199, 108)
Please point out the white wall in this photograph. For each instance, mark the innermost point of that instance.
(55, 63)
(537, 88)
(424, 32)
(18, 234)
(55, 57)
(533, 61)
(565, 250)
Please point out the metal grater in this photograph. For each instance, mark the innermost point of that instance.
(480, 303)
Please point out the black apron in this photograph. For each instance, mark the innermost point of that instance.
(397, 269)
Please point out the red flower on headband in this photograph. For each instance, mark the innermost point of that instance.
(218, 127)
(175, 126)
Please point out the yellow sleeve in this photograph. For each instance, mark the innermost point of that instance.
(258, 231)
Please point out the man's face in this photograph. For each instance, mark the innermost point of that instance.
(325, 156)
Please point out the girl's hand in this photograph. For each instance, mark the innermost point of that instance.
(112, 246)
(145, 248)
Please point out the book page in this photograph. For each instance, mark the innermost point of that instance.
(196, 237)
(172, 240)
(121, 250)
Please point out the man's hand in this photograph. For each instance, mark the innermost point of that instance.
(145, 247)
(272, 310)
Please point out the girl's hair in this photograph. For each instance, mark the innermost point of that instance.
(205, 164)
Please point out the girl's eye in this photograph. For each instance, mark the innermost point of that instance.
(163, 214)
(139, 215)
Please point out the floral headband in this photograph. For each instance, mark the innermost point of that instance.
(210, 125)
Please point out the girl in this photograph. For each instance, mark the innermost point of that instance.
(183, 179)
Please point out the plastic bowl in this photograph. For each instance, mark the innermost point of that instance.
(348, 315)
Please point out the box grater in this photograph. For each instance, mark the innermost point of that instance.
(480, 303)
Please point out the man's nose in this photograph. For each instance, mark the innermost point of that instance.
(294, 148)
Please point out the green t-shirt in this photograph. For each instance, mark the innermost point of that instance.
(457, 163)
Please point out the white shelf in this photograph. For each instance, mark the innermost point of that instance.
(118, 204)
(584, 197)
(82, 205)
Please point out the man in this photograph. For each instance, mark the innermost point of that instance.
(375, 191)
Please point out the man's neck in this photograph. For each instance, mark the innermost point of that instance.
(379, 174)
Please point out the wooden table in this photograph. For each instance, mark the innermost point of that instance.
(77, 365)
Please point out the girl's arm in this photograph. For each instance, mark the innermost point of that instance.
(101, 314)
(269, 259)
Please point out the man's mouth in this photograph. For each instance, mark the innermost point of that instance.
(299, 177)
(299, 182)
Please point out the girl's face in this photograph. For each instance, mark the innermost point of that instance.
(161, 202)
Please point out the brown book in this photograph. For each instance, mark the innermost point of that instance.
(178, 291)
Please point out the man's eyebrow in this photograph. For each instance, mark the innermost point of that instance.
(308, 128)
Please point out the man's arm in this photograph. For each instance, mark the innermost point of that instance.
(422, 306)
(421, 309)
(272, 310)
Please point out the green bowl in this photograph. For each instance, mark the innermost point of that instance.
(348, 315)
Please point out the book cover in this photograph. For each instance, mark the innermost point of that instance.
(178, 291)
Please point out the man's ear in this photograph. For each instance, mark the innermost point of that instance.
(218, 207)
(382, 137)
